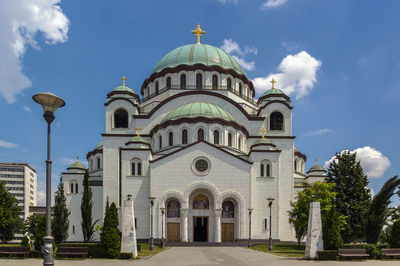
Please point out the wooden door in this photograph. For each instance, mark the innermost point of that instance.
(228, 232)
(173, 232)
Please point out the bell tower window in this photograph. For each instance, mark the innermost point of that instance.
(215, 82)
(121, 119)
(276, 121)
(199, 81)
(183, 81)
(184, 136)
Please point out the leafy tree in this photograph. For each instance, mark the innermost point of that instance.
(395, 235)
(25, 242)
(88, 227)
(110, 235)
(10, 222)
(60, 223)
(352, 195)
(35, 226)
(379, 210)
(331, 229)
(318, 191)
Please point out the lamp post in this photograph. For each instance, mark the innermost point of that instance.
(249, 244)
(162, 226)
(49, 103)
(151, 223)
(270, 200)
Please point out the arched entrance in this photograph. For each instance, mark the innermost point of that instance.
(173, 214)
(228, 220)
(201, 216)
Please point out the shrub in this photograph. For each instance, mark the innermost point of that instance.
(394, 240)
(95, 250)
(328, 255)
(25, 242)
(110, 235)
(373, 250)
(126, 256)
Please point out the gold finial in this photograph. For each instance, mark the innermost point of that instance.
(123, 80)
(262, 132)
(273, 83)
(316, 160)
(198, 32)
(138, 130)
(77, 158)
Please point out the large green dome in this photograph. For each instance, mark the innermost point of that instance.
(192, 54)
(198, 109)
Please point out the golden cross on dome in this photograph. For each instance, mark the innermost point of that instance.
(123, 80)
(316, 160)
(77, 158)
(198, 32)
(262, 132)
(273, 83)
(138, 130)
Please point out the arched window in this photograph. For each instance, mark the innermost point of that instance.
(76, 188)
(169, 82)
(72, 188)
(200, 134)
(91, 164)
(183, 81)
(228, 209)
(201, 202)
(73, 229)
(136, 167)
(240, 89)
(121, 118)
(184, 136)
(157, 88)
(216, 137)
(160, 142)
(215, 82)
(265, 169)
(295, 165)
(170, 139)
(139, 168)
(199, 81)
(173, 209)
(276, 121)
(229, 83)
(133, 168)
(240, 143)
(229, 139)
(98, 163)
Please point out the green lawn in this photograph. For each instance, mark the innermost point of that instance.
(146, 251)
(283, 250)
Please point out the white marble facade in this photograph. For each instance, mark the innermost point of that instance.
(206, 184)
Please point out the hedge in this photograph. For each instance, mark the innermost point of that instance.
(328, 255)
(374, 250)
(95, 250)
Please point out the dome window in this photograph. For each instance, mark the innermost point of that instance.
(157, 87)
(184, 136)
(98, 163)
(169, 82)
(240, 89)
(183, 81)
(229, 84)
(229, 139)
(121, 119)
(240, 143)
(215, 82)
(170, 139)
(160, 142)
(216, 137)
(276, 121)
(199, 81)
(200, 134)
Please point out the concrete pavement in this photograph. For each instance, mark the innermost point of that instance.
(185, 256)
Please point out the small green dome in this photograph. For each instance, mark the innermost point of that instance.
(272, 92)
(262, 141)
(77, 165)
(198, 54)
(123, 88)
(316, 167)
(100, 145)
(138, 139)
(198, 109)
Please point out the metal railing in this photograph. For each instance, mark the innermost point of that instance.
(194, 87)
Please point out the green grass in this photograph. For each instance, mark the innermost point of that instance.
(145, 250)
(283, 250)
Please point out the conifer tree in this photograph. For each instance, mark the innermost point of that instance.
(110, 235)
(331, 230)
(88, 227)
(378, 212)
(60, 223)
(35, 226)
(394, 240)
(352, 195)
(10, 222)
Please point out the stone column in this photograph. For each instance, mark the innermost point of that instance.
(315, 242)
(184, 215)
(128, 239)
(217, 228)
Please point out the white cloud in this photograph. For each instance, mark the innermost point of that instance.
(372, 161)
(317, 132)
(273, 3)
(41, 198)
(233, 48)
(297, 75)
(6, 144)
(229, 1)
(20, 20)
(27, 108)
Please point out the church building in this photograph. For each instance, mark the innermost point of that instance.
(198, 155)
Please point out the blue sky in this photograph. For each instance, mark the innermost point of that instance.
(339, 61)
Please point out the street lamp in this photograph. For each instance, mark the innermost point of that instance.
(49, 103)
(249, 244)
(151, 223)
(270, 200)
(162, 226)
